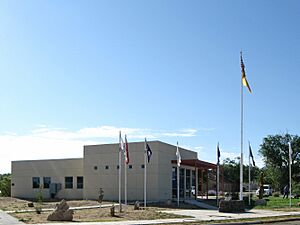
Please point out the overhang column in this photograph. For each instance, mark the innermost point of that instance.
(207, 184)
(196, 187)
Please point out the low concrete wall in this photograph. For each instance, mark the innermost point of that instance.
(232, 206)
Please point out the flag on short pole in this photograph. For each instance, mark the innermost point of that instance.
(251, 155)
(178, 156)
(121, 143)
(218, 154)
(244, 79)
(290, 171)
(290, 152)
(126, 161)
(121, 148)
(148, 152)
(218, 173)
(126, 151)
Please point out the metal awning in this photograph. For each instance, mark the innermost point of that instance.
(196, 163)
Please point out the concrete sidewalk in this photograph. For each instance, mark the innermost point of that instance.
(7, 219)
(198, 215)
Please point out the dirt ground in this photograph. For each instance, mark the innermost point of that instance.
(14, 204)
(153, 211)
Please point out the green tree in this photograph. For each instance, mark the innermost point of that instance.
(5, 182)
(232, 172)
(275, 153)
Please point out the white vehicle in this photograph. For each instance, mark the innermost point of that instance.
(267, 190)
(193, 190)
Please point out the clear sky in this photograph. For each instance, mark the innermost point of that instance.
(76, 72)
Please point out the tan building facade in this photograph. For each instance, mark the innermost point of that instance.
(99, 168)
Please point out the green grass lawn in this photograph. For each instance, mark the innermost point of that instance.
(275, 203)
(279, 203)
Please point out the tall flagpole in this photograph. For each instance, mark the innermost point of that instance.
(145, 173)
(241, 159)
(249, 198)
(120, 159)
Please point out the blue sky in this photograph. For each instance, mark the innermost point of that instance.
(77, 72)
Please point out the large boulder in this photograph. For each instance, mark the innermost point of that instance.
(232, 206)
(61, 212)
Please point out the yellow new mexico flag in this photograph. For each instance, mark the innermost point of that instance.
(244, 80)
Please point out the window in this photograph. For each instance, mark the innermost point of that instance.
(106, 167)
(174, 182)
(143, 166)
(79, 182)
(181, 182)
(118, 167)
(68, 182)
(95, 167)
(188, 183)
(130, 166)
(46, 182)
(35, 182)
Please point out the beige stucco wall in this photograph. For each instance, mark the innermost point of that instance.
(92, 168)
(57, 169)
(159, 171)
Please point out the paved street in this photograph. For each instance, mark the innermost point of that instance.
(287, 223)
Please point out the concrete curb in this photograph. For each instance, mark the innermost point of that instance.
(258, 221)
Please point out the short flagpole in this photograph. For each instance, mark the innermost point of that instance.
(218, 182)
(145, 174)
(249, 200)
(125, 170)
(178, 168)
(120, 159)
(290, 172)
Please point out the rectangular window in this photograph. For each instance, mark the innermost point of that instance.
(35, 182)
(194, 178)
(143, 166)
(174, 182)
(130, 166)
(188, 183)
(106, 167)
(46, 182)
(68, 182)
(181, 182)
(79, 182)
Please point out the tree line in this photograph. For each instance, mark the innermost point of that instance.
(274, 151)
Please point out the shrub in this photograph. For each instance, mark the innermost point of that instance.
(276, 194)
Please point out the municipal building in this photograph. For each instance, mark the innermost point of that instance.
(82, 178)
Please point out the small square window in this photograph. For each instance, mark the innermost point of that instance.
(95, 167)
(118, 167)
(142, 166)
(130, 166)
(106, 167)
